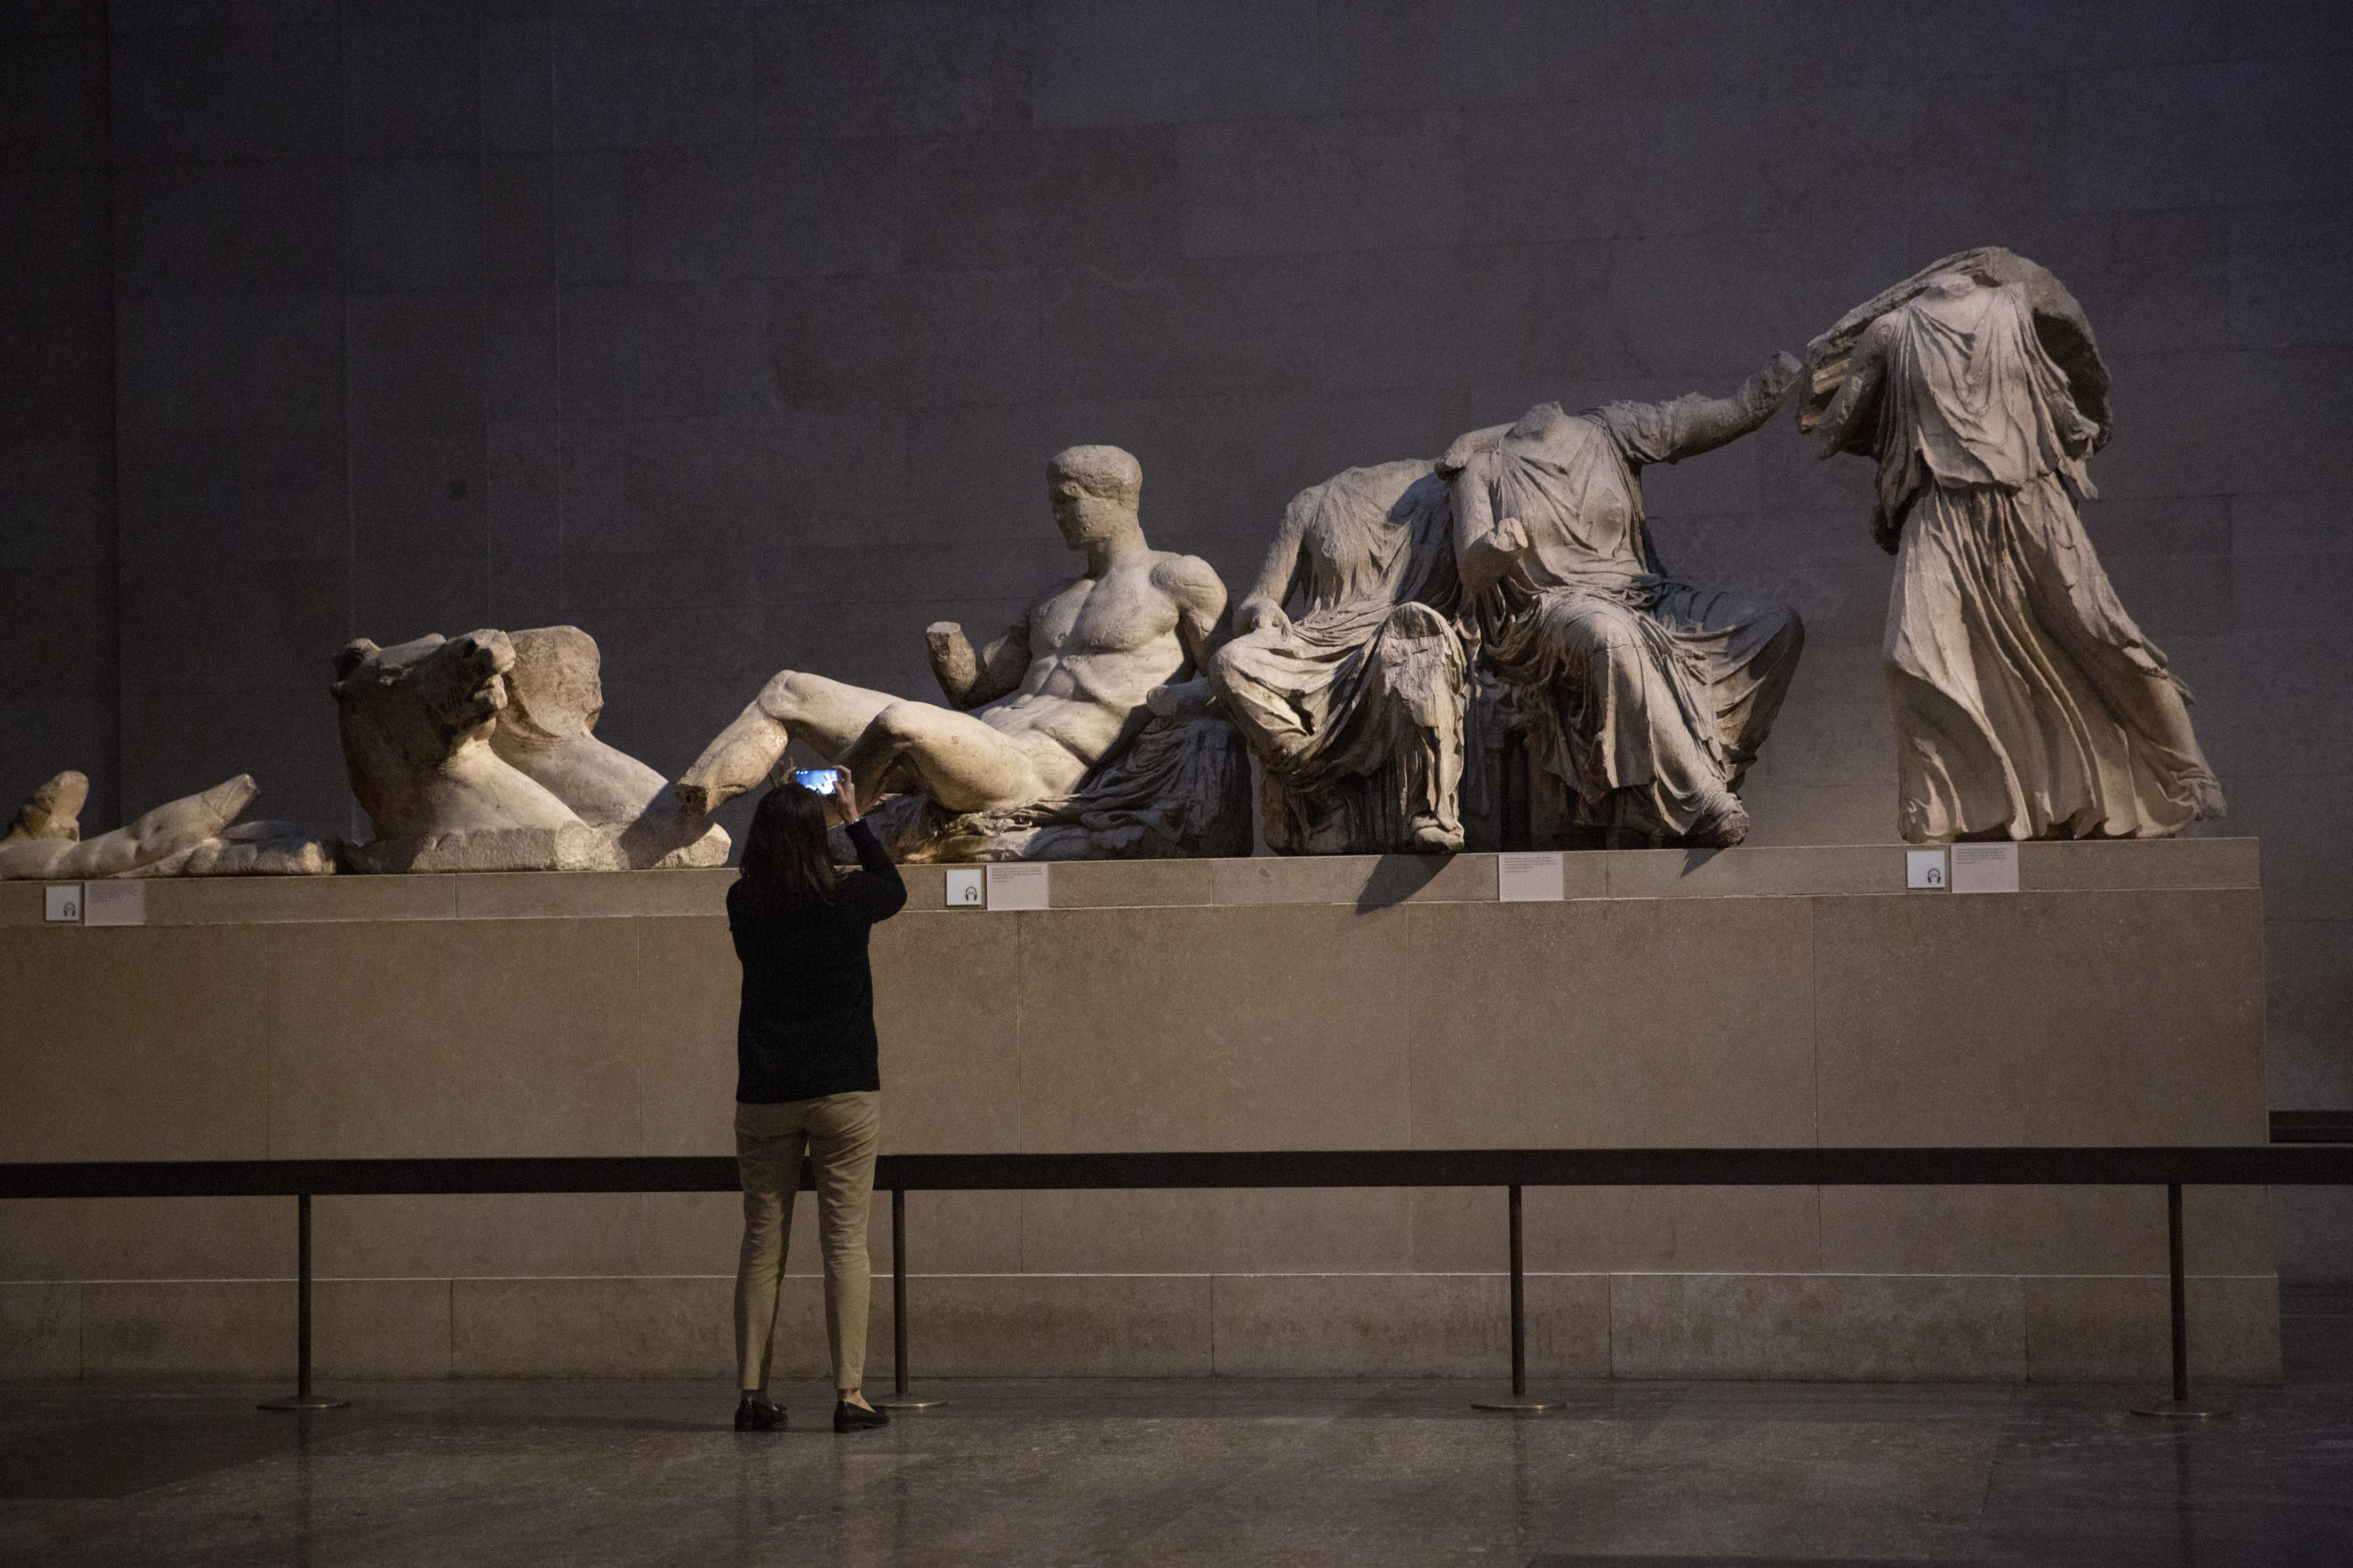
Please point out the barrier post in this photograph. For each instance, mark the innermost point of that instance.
(2178, 1280)
(1518, 1399)
(302, 1399)
(899, 1398)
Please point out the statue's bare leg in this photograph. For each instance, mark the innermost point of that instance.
(828, 714)
(164, 832)
(964, 764)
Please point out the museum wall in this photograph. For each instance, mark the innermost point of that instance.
(739, 335)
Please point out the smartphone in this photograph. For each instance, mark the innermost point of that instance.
(824, 780)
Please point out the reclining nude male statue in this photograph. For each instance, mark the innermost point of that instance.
(1646, 697)
(1049, 739)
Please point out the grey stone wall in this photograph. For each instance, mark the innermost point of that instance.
(58, 612)
(739, 335)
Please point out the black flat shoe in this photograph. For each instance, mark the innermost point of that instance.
(848, 1417)
(758, 1415)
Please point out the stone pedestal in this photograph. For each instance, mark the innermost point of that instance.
(1756, 996)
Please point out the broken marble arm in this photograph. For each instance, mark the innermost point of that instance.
(1485, 547)
(974, 678)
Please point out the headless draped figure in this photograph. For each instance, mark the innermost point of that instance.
(2027, 704)
(1355, 706)
(1645, 696)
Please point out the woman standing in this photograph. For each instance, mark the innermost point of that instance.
(807, 1078)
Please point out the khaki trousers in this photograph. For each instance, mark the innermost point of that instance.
(840, 1133)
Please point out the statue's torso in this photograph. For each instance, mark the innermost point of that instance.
(1976, 399)
(1096, 646)
(1359, 547)
(1341, 567)
(1563, 477)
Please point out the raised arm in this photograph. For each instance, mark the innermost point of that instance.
(969, 679)
(1262, 604)
(1669, 432)
(880, 893)
(1858, 395)
(1199, 595)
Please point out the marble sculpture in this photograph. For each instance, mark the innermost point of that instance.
(191, 837)
(2027, 704)
(475, 753)
(1355, 708)
(1645, 696)
(1048, 748)
(1512, 582)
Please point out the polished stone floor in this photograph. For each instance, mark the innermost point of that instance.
(1223, 1471)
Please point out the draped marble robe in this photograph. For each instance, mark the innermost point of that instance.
(2027, 704)
(1356, 707)
(1646, 696)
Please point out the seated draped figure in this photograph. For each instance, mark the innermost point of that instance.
(1048, 749)
(475, 754)
(2027, 704)
(196, 835)
(1646, 697)
(1355, 706)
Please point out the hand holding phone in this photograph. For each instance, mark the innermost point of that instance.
(834, 781)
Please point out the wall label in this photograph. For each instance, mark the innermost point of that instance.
(114, 903)
(1017, 887)
(1986, 867)
(1530, 878)
(964, 888)
(63, 903)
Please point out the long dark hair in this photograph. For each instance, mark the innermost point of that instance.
(786, 858)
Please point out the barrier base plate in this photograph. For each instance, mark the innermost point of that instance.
(305, 1402)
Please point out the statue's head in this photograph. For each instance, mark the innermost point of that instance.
(1095, 491)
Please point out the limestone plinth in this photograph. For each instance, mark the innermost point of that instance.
(1747, 998)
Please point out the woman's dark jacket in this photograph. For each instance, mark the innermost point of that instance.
(807, 1024)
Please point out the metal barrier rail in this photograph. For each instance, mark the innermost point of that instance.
(2218, 1165)
(2311, 1127)
(2305, 1163)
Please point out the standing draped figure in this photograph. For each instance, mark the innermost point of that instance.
(1355, 707)
(1645, 696)
(2027, 704)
